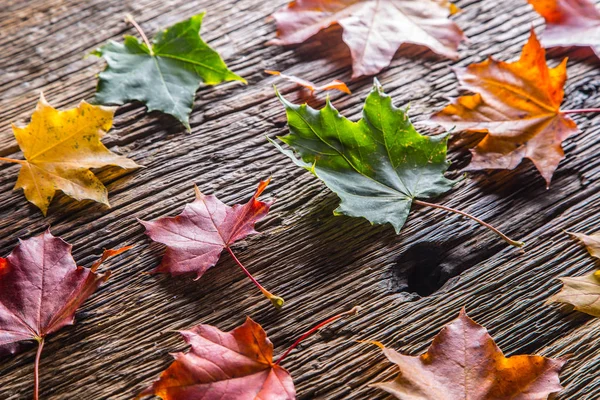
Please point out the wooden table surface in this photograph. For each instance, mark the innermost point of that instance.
(409, 285)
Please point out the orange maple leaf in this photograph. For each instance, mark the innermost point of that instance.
(517, 105)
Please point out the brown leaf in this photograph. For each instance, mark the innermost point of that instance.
(373, 30)
(333, 85)
(517, 105)
(569, 23)
(464, 362)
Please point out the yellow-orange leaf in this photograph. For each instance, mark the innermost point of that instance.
(517, 106)
(591, 242)
(59, 148)
(464, 362)
(582, 292)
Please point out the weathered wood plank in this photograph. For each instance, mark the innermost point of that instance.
(318, 262)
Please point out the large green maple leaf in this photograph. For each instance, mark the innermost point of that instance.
(377, 166)
(163, 75)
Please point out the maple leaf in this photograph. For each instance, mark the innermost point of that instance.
(379, 166)
(517, 106)
(59, 148)
(582, 292)
(196, 238)
(229, 365)
(225, 365)
(164, 75)
(41, 287)
(570, 23)
(463, 362)
(591, 242)
(333, 85)
(373, 29)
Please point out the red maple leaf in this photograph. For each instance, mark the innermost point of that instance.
(196, 238)
(41, 287)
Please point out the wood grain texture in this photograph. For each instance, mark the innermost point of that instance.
(318, 262)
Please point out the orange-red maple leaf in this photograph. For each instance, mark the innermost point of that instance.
(517, 105)
(41, 287)
(333, 85)
(464, 362)
(230, 365)
(373, 29)
(569, 23)
(225, 365)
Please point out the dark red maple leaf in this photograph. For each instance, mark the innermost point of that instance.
(196, 238)
(41, 287)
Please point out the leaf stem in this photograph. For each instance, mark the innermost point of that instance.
(275, 300)
(138, 28)
(581, 111)
(480, 222)
(36, 368)
(353, 311)
(12, 160)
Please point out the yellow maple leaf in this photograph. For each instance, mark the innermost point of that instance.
(59, 148)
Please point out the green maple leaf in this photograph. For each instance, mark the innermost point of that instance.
(378, 166)
(164, 75)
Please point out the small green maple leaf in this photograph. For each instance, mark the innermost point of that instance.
(164, 75)
(378, 166)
